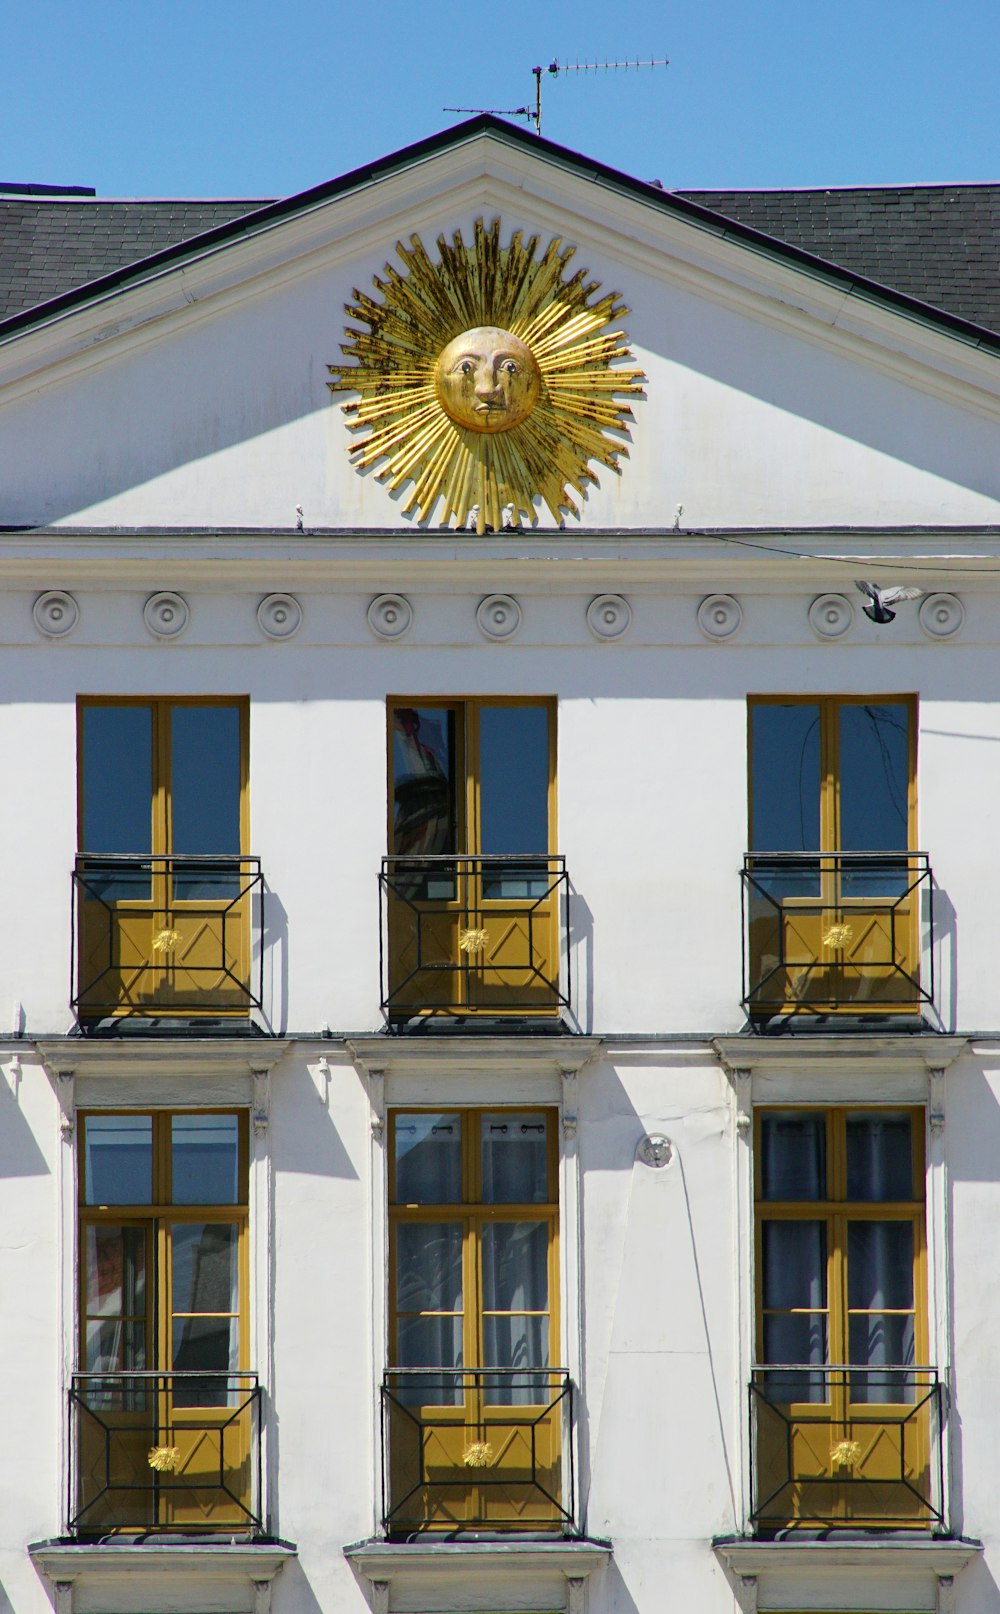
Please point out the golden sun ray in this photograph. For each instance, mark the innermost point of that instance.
(486, 379)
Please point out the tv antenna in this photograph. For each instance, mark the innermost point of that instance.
(554, 69)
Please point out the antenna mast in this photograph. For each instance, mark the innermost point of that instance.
(555, 68)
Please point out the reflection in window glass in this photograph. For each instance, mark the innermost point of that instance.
(793, 1155)
(205, 779)
(879, 1156)
(785, 803)
(874, 777)
(423, 751)
(515, 1159)
(118, 1159)
(514, 778)
(428, 1158)
(205, 1159)
(117, 779)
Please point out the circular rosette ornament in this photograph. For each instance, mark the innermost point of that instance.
(486, 379)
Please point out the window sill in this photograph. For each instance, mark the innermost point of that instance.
(885, 1552)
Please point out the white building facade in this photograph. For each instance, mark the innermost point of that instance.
(499, 1046)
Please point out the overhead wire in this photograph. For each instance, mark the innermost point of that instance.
(856, 561)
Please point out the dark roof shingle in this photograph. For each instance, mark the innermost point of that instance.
(48, 247)
(938, 243)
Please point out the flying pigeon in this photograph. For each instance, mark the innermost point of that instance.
(882, 598)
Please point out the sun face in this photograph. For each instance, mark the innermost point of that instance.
(487, 379)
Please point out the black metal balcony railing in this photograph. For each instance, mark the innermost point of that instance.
(155, 934)
(469, 933)
(846, 1446)
(829, 931)
(468, 1448)
(165, 1451)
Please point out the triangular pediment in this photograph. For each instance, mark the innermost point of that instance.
(191, 390)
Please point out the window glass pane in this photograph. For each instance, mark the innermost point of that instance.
(118, 1160)
(205, 1159)
(785, 751)
(423, 771)
(515, 1266)
(879, 1156)
(116, 1274)
(793, 1155)
(874, 775)
(515, 1159)
(207, 1345)
(429, 1342)
(800, 1339)
(882, 1342)
(880, 1266)
(428, 1159)
(429, 1266)
(117, 779)
(514, 778)
(520, 1343)
(114, 1326)
(204, 1270)
(205, 798)
(794, 1265)
(205, 779)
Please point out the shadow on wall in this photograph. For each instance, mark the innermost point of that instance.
(20, 1155)
(274, 943)
(318, 1147)
(581, 947)
(945, 944)
(972, 1140)
(292, 1590)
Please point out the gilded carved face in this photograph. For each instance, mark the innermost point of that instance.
(487, 380)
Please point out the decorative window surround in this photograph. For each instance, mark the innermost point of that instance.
(385, 1563)
(882, 1555)
(231, 1577)
(441, 1054)
(787, 1069)
(183, 1057)
(832, 1070)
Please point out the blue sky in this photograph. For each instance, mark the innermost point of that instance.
(259, 98)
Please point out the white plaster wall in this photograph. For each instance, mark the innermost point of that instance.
(651, 784)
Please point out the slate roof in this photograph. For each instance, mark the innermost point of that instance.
(938, 243)
(50, 246)
(931, 252)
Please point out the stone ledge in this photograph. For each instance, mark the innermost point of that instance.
(937, 1555)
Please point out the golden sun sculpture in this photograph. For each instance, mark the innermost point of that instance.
(487, 378)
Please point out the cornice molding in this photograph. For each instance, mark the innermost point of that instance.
(464, 1056)
(194, 1057)
(850, 1055)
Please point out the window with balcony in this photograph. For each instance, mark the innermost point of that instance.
(167, 897)
(475, 1413)
(845, 1410)
(835, 897)
(474, 897)
(163, 1410)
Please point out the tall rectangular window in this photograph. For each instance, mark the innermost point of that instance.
(832, 877)
(162, 876)
(843, 1386)
(472, 879)
(473, 1278)
(163, 1316)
